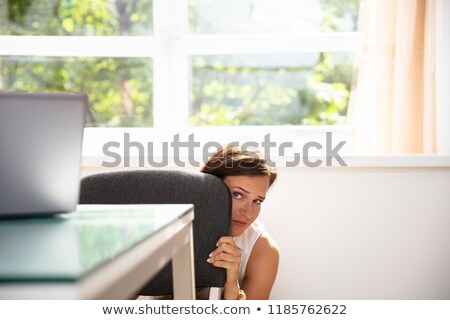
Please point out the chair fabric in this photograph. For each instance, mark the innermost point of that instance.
(212, 210)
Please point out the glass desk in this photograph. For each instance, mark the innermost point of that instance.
(96, 252)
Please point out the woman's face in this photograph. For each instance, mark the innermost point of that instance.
(247, 193)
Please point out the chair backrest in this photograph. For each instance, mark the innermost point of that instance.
(212, 209)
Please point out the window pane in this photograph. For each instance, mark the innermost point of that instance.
(81, 17)
(281, 89)
(269, 16)
(119, 89)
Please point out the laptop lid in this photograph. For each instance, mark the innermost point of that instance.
(40, 152)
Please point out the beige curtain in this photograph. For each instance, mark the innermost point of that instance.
(400, 92)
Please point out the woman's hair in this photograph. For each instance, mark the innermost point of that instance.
(233, 160)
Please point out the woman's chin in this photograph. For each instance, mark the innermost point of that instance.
(236, 233)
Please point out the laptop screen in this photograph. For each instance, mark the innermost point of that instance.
(40, 152)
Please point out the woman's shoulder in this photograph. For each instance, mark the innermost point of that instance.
(266, 245)
(262, 267)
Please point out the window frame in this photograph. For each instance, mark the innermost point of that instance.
(170, 46)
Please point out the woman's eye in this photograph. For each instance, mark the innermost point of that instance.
(237, 195)
(258, 202)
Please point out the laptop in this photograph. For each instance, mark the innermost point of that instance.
(40, 152)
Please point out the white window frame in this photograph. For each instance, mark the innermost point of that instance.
(170, 47)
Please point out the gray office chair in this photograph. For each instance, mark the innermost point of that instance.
(212, 209)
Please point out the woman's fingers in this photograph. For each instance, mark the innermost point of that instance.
(227, 254)
(227, 244)
(222, 256)
(228, 240)
(227, 248)
(228, 262)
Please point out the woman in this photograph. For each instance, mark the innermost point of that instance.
(249, 255)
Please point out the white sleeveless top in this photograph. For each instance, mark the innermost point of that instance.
(246, 242)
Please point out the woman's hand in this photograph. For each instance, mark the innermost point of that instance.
(228, 256)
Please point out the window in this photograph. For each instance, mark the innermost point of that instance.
(270, 89)
(174, 65)
(76, 51)
(283, 64)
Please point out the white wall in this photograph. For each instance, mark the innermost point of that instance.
(379, 229)
(443, 76)
(361, 233)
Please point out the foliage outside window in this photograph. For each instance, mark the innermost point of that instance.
(283, 89)
(120, 90)
(305, 88)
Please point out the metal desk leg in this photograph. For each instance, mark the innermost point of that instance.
(183, 270)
